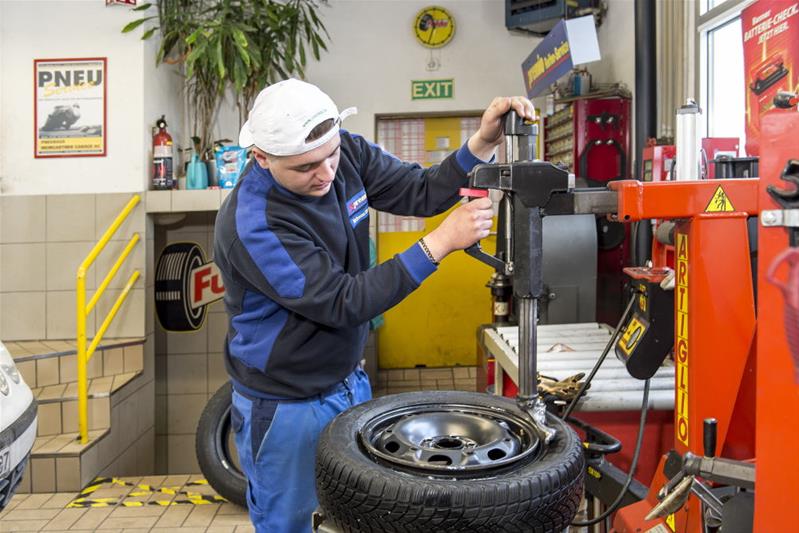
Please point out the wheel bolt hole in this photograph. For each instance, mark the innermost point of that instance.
(496, 454)
(440, 460)
(392, 447)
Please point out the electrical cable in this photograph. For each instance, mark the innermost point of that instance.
(601, 359)
(633, 466)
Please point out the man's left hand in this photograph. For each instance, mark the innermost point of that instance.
(489, 136)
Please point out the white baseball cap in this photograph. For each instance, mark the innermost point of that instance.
(285, 113)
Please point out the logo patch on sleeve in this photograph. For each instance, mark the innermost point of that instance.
(356, 203)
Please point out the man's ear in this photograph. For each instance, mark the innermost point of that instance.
(260, 157)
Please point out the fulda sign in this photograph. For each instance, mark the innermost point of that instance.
(184, 286)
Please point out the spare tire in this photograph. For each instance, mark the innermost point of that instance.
(216, 448)
(446, 461)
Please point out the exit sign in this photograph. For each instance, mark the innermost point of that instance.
(431, 89)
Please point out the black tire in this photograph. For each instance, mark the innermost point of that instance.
(173, 287)
(358, 494)
(216, 451)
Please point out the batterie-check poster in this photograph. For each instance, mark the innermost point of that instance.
(571, 42)
(70, 107)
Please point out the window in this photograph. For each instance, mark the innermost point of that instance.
(721, 69)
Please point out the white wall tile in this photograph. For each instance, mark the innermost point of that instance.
(183, 412)
(181, 462)
(187, 374)
(70, 217)
(23, 267)
(22, 316)
(129, 321)
(109, 207)
(22, 219)
(63, 260)
(61, 316)
(134, 261)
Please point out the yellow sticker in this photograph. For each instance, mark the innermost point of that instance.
(671, 522)
(720, 203)
(632, 335)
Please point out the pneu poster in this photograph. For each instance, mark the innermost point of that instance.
(69, 107)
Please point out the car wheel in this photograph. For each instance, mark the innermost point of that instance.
(446, 461)
(216, 448)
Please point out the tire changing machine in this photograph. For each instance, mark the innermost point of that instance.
(716, 350)
(736, 388)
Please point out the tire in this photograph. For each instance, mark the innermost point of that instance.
(216, 449)
(358, 494)
(173, 287)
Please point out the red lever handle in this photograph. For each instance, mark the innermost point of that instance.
(473, 193)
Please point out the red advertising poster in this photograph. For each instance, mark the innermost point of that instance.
(771, 60)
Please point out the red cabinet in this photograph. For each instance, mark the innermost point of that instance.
(591, 136)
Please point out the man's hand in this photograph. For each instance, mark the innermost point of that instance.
(489, 136)
(462, 228)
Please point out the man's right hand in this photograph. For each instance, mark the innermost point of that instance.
(462, 228)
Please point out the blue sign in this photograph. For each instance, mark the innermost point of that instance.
(571, 42)
(550, 60)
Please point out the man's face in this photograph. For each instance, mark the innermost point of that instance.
(308, 174)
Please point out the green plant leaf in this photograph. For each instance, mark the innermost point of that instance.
(239, 37)
(135, 24)
(142, 7)
(220, 60)
(192, 38)
(148, 33)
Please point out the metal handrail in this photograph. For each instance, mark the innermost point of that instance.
(85, 353)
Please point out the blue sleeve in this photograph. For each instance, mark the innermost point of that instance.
(403, 188)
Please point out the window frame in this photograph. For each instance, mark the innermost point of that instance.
(706, 22)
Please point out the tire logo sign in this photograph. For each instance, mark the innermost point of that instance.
(184, 286)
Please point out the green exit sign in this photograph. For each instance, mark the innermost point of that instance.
(431, 89)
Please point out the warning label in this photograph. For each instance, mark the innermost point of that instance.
(720, 203)
(681, 346)
(632, 335)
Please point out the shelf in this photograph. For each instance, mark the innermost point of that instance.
(184, 201)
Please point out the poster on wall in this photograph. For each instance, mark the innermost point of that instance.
(69, 107)
(771, 61)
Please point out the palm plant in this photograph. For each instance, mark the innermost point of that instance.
(243, 45)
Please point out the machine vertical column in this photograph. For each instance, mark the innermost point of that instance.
(528, 341)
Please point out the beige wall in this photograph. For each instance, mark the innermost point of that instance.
(43, 240)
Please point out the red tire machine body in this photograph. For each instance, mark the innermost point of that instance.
(748, 383)
(732, 366)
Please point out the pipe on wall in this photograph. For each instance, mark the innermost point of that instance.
(645, 106)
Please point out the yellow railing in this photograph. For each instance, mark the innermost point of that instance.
(85, 353)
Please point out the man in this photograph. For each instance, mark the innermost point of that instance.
(291, 241)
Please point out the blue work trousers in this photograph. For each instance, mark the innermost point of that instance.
(276, 442)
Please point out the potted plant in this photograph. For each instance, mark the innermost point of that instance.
(241, 45)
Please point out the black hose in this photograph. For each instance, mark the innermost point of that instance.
(601, 359)
(633, 466)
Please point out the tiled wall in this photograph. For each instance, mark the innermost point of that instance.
(188, 365)
(43, 240)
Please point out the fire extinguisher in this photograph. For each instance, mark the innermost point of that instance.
(163, 173)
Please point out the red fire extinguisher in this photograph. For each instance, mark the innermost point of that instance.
(163, 174)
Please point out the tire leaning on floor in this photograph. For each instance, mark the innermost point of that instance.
(216, 449)
(359, 494)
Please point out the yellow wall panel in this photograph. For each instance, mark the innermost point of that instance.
(436, 324)
(442, 133)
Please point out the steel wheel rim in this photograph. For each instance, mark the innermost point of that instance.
(449, 439)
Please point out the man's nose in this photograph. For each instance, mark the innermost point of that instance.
(327, 171)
